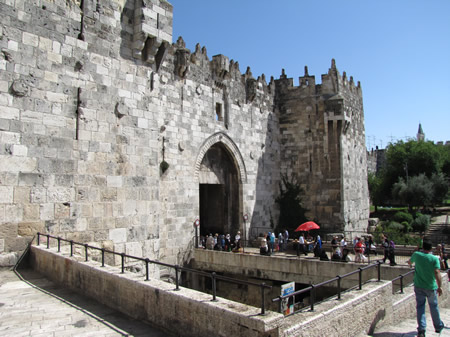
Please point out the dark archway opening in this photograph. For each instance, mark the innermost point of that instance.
(219, 192)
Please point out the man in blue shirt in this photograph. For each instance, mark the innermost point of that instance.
(427, 285)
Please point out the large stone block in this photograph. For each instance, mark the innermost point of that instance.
(6, 194)
(30, 228)
(118, 235)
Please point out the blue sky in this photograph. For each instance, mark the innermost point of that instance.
(398, 49)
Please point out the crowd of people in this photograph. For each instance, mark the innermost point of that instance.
(361, 248)
(221, 242)
(427, 279)
(268, 243)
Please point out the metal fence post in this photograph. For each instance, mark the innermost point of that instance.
(360, 278)
(86, 251)
(59, 244)
(339, 287)
(379, 270)
(263, 311)
(147, 260)
(213, 277)
(103, 257)
(401, 284)
(122, 255)
(38, 238)
(313, 296)
(48, 241)
(177, 280)
(71, 247)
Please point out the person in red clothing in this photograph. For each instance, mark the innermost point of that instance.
(359, 250)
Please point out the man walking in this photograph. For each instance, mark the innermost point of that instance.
(427, 285)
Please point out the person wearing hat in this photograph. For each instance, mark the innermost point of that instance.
(237, 242)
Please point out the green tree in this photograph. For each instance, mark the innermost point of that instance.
(445, 159)
(440, 188)
(292, 213)
(414, 192)
(409, 159)
(375, 189)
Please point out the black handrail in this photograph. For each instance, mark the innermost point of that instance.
(401, 277)
(312, 288)
(147, 261)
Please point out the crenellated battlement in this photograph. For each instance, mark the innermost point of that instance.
(332, 82)
(221, 70)
(113, 132)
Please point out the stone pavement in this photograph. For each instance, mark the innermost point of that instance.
(408, 328)
(30, 305)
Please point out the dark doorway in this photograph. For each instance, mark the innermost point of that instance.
(220, 201)
(213, 208)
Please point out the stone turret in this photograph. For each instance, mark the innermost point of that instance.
(323, 147)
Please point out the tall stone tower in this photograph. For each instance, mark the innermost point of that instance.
(323, 146)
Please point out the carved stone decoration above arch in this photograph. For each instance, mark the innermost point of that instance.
(231, 147)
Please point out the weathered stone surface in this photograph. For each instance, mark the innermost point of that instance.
(19, 88)
(30, 228)
(98, 112)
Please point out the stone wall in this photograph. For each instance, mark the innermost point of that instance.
(155, 301)
(280, 268)
(159, 303)
(96, 102)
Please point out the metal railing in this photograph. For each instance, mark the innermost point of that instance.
(214, 277)
(401, 278)
(312, 288)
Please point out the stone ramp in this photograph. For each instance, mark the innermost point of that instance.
(34, 306)
(408, 327)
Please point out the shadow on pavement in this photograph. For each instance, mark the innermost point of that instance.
(111, 318)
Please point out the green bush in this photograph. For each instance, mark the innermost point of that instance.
(406, 227)
(394, 226)
(421, 223)
(403, 217)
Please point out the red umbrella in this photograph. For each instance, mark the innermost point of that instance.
(307, 226)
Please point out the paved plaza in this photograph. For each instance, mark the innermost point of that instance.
(408, 328)
(30, 305)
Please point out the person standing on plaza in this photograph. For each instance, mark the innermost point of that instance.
(343, 243)
(286, 239)
(280, 241)
(272, 241)
(301, 245)
(269, 244)
(386, 249)
(334, 244)
(359, 250)
(427, 285)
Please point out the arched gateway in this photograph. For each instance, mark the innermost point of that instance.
(220, 171)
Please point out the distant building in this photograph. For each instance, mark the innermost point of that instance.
(420, 134)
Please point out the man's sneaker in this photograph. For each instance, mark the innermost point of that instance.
(440, 329)
(421, 334)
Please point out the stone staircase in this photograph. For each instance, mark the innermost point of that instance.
(436, 231)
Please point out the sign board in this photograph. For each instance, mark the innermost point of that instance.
(287, 304)
(245, 217)
(197, 222)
